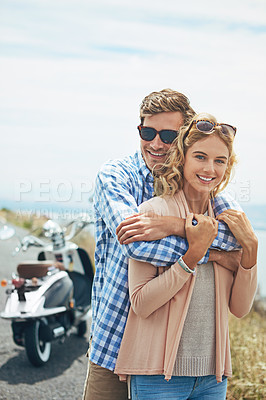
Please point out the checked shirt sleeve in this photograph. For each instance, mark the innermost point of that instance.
(114, 202)
(225, 239)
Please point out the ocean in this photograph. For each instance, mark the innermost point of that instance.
(261, 235)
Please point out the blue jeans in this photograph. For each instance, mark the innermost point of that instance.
(155, 387)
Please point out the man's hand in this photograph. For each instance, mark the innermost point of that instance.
(148, 227)
(228, 259)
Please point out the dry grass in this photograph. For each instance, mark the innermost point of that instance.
(32, 223)
(247, 337)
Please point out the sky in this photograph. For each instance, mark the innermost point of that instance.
(73, 74)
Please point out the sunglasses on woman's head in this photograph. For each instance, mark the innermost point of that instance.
(207, 126)
(167, 136)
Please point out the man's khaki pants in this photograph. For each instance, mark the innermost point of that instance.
(102, 384)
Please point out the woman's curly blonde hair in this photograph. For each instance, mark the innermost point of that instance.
(169, 179)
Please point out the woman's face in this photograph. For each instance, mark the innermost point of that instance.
(205, 165)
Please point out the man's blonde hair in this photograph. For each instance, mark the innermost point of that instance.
(164, 101)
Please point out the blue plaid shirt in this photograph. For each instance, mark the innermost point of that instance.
(121, 186)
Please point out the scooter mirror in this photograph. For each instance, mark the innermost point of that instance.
(51, 228)
(6, 232)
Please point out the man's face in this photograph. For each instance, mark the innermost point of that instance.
(154, 153)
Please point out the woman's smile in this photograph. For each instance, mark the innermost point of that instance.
(205, 179)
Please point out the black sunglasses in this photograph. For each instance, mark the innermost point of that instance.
(166, 135)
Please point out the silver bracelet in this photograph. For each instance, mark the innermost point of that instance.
(183, 265)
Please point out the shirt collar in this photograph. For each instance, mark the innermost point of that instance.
(143, 169)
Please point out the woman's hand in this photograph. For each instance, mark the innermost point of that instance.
(199, 237)
(242, 230)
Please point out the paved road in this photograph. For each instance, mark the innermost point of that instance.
(62, 378)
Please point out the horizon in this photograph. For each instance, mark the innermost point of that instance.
(67, 210)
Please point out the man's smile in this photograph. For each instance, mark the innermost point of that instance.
(153, 153)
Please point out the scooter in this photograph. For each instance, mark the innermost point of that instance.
(48, 297)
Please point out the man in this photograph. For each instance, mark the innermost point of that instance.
(121, 233)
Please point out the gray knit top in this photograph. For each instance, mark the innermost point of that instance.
(196, 351)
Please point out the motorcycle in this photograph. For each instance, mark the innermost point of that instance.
(46, 298)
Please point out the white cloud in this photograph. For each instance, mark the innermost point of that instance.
(75, 73)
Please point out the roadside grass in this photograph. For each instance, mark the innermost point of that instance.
(247, 337)
(33, 223)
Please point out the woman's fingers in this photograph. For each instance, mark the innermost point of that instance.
(202, 218)
(189, 220)
(239, 225)
(201, 236)
(234, 215)
(215, 223)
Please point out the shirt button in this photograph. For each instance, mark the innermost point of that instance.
(223, 245)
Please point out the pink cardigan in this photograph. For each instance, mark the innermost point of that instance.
(159, 305)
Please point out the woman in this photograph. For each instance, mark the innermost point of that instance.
(176, 341)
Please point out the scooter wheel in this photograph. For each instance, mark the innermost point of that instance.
(82, 328)
(38, 351)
